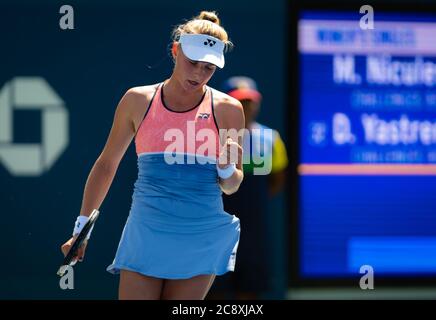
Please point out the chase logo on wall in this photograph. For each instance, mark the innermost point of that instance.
(32, 159)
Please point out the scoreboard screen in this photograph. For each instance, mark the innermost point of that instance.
(367, 144)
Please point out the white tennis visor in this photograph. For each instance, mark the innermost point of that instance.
(201, 47)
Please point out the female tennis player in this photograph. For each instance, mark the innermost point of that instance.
(177, 237)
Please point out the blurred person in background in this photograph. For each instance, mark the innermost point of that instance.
(252, 276)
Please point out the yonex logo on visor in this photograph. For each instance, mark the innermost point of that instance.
(209, 42)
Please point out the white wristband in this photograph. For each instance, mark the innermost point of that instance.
(227, 172)
(80, 223)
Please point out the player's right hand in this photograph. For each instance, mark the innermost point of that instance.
(65, 248)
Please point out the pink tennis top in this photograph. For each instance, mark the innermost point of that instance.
(189, 132)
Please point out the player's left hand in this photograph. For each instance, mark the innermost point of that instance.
(230, 152)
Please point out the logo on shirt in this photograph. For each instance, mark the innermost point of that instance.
(204, 115)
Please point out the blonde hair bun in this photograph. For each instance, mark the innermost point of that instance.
(210, 16)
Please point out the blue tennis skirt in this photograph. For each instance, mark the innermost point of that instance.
(177, 227)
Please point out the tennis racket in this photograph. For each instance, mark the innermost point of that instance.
(69, 258)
